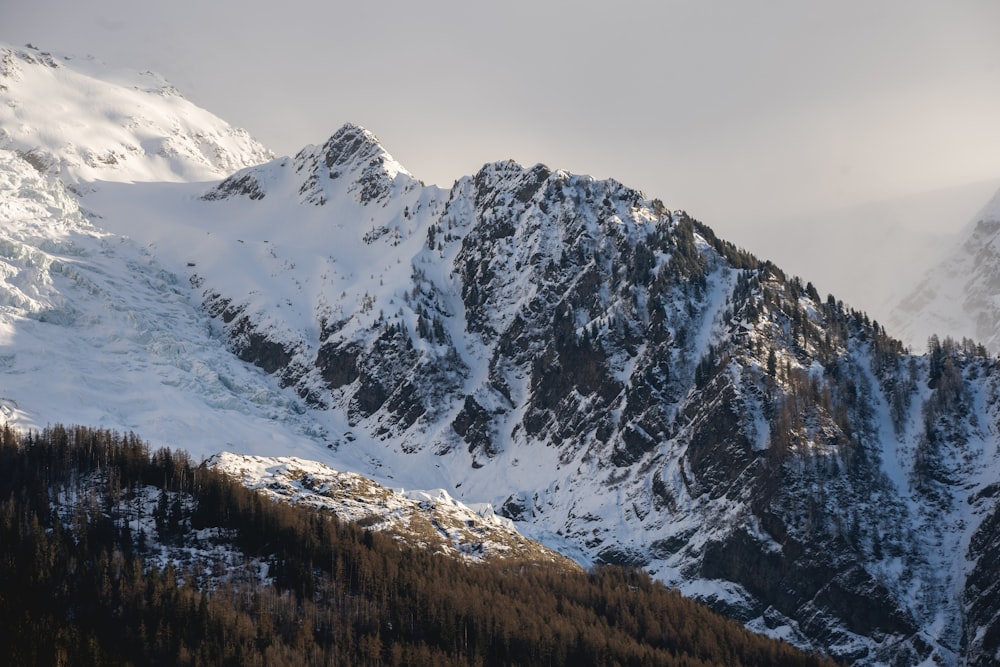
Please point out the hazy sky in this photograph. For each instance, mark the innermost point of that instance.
(743, 113)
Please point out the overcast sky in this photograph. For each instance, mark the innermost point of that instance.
(746, 114)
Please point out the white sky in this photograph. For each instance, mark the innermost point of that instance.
(749, 115)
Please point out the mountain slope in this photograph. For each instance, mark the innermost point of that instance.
(77, 118)
(98, 311)
(610, 375)
(430, 520)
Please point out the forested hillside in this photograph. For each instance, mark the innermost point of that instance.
(85, 514)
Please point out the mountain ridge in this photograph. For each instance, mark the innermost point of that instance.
(431, 520)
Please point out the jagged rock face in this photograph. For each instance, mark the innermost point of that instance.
(537, 272)
(353, 151)
(702, 415)
(981, 634)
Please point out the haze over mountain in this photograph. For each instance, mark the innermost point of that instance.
(871, 254)
(958, 295)
(745, 115)
(605, 371)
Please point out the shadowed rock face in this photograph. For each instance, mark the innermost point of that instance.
(981, 597)
(709, 418)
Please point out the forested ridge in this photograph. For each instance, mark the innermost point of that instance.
(78, 584)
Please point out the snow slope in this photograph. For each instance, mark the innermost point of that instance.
(116, 334)
(86, 122)
(98, 313)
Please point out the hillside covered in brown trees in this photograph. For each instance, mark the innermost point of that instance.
(80, 582)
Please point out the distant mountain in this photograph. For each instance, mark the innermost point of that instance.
(868, 254)
(961, 295)
(606, 372)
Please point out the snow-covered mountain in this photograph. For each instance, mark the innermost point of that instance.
(961, 295)
(606, 372)
(609, 372)
(86, 122)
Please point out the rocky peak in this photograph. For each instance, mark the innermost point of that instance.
(352, 155)
(353, 145)
(351, 162)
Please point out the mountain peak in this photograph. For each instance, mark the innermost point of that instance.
(958, 296)
(351, 142)
(353, 147)
(354, 154)
(351, 161)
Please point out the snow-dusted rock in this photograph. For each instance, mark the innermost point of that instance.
(427, 519)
